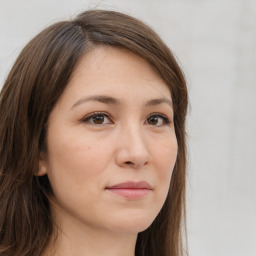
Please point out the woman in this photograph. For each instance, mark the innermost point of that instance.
(92, 142)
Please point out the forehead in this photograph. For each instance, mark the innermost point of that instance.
(116, 72)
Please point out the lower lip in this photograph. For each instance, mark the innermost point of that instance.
(130, 193)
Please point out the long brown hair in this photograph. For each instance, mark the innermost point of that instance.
(30, 92)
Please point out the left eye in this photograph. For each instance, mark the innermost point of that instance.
(97, 119)
(157, 120)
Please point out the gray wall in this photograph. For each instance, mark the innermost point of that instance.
(215, 41)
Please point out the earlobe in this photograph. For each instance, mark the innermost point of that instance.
(42, 168)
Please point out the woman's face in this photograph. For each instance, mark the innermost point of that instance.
(111, 143)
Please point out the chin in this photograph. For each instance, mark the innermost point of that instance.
(134, 223)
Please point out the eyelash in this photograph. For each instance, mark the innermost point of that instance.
(94, 114)
(86, 119)
(165, 119)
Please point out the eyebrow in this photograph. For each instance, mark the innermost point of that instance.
(113, 101)
(99, 98)
(155, 102)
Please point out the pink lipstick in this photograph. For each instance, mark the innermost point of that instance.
(131, 190)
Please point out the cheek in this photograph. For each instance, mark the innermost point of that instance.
(165, 156)
(74, 160)
(165, 159)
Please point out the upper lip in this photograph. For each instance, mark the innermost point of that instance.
(131, 185)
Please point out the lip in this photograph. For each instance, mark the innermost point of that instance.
(131, 190)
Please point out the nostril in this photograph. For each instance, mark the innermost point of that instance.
(129, 162)
(134, 164)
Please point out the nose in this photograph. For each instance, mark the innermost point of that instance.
(132, 149)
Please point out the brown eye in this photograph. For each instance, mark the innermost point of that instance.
(153, 120)
(99, 119)
(157, 120)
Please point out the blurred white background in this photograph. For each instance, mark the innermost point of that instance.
(215, 41)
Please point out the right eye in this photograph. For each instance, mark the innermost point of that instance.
(97, 119)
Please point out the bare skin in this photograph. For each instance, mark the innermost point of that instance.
(112, 125)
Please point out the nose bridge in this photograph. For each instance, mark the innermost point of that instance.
(133, 131)
(133, 147)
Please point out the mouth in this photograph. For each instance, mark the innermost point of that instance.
(131, 190)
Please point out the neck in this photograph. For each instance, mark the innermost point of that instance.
(73, 238)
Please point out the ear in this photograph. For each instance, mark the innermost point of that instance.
(42, 165)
